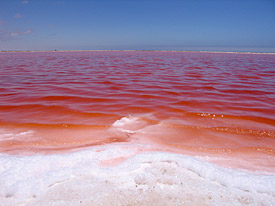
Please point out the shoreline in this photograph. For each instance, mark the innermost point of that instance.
(110, 50)
(80, 177)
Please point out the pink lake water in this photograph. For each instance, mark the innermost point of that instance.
(214, 104)
(137, 128)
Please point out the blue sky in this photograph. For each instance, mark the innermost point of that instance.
(229, 25)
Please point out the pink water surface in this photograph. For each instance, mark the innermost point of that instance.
(186, 102)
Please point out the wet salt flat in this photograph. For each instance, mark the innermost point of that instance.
(173, 128)
(145, 179)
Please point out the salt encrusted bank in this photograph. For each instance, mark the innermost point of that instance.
(154, 178)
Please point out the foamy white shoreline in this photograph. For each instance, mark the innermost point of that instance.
(155, 178)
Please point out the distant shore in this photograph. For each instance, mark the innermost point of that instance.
(230, 52)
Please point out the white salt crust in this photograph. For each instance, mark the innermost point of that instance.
(154, 178)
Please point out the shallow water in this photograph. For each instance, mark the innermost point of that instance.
(185, 102)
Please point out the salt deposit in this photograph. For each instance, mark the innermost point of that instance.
(153, 178)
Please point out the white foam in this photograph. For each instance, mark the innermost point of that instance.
(12, 135)
(154, 178)
(124, 121)
(129, 125)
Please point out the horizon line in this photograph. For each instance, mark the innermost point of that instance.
(152, 50)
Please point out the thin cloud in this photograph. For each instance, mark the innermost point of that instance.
(25, 2)
(16, 34)
(27, 32)
(18, 16)
(2, 21)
